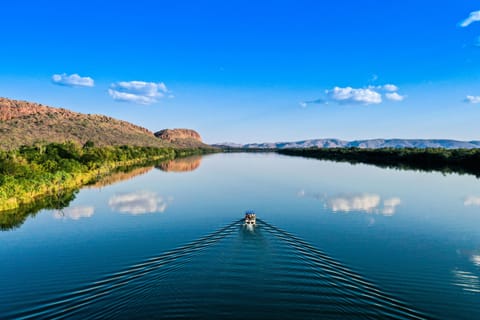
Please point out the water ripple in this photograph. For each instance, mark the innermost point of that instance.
(230, 273)
(64, 305)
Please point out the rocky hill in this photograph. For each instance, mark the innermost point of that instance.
(26, 123)
(179, 137)
(175, 134)
(365, 144)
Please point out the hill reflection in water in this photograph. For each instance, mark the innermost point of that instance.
(181, 165)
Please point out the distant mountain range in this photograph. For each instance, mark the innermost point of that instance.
(371, 144)
(27, 123)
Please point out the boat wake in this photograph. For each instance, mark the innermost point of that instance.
(234, 272)
(69, 304)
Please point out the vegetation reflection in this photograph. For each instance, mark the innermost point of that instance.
(462, 161)
(49, 176)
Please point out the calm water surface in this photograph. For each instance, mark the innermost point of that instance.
(333, 241)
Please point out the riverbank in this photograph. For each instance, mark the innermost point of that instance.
(30, 173)
(461, 161)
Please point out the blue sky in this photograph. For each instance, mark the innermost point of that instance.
(253, 71)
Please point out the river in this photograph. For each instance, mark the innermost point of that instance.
(332, 241)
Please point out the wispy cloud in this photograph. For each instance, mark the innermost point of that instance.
(304, 104)
(140, 92)
(140, 202)
(73, 80)
(473, 17)
(472, 99)
(75, 213)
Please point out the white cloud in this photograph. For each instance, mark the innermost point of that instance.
(471, 201)
(372, 94)
(472, 99)
(130, 97)
(140, 202)
(73, 80)
(140, 92)
(473, 17)
(394, 96)
(75, 213)
(352, 95)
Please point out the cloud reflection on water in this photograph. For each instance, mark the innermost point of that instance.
(471, 201)
(139, 202)
(390, 205)
(367, 203)
(75, 213)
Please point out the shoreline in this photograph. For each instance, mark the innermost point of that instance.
(459, 161)
(23, 188)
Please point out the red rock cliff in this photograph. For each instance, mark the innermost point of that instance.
(176, 134)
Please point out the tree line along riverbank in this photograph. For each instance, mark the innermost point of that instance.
(462, 161)
(33, 172)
